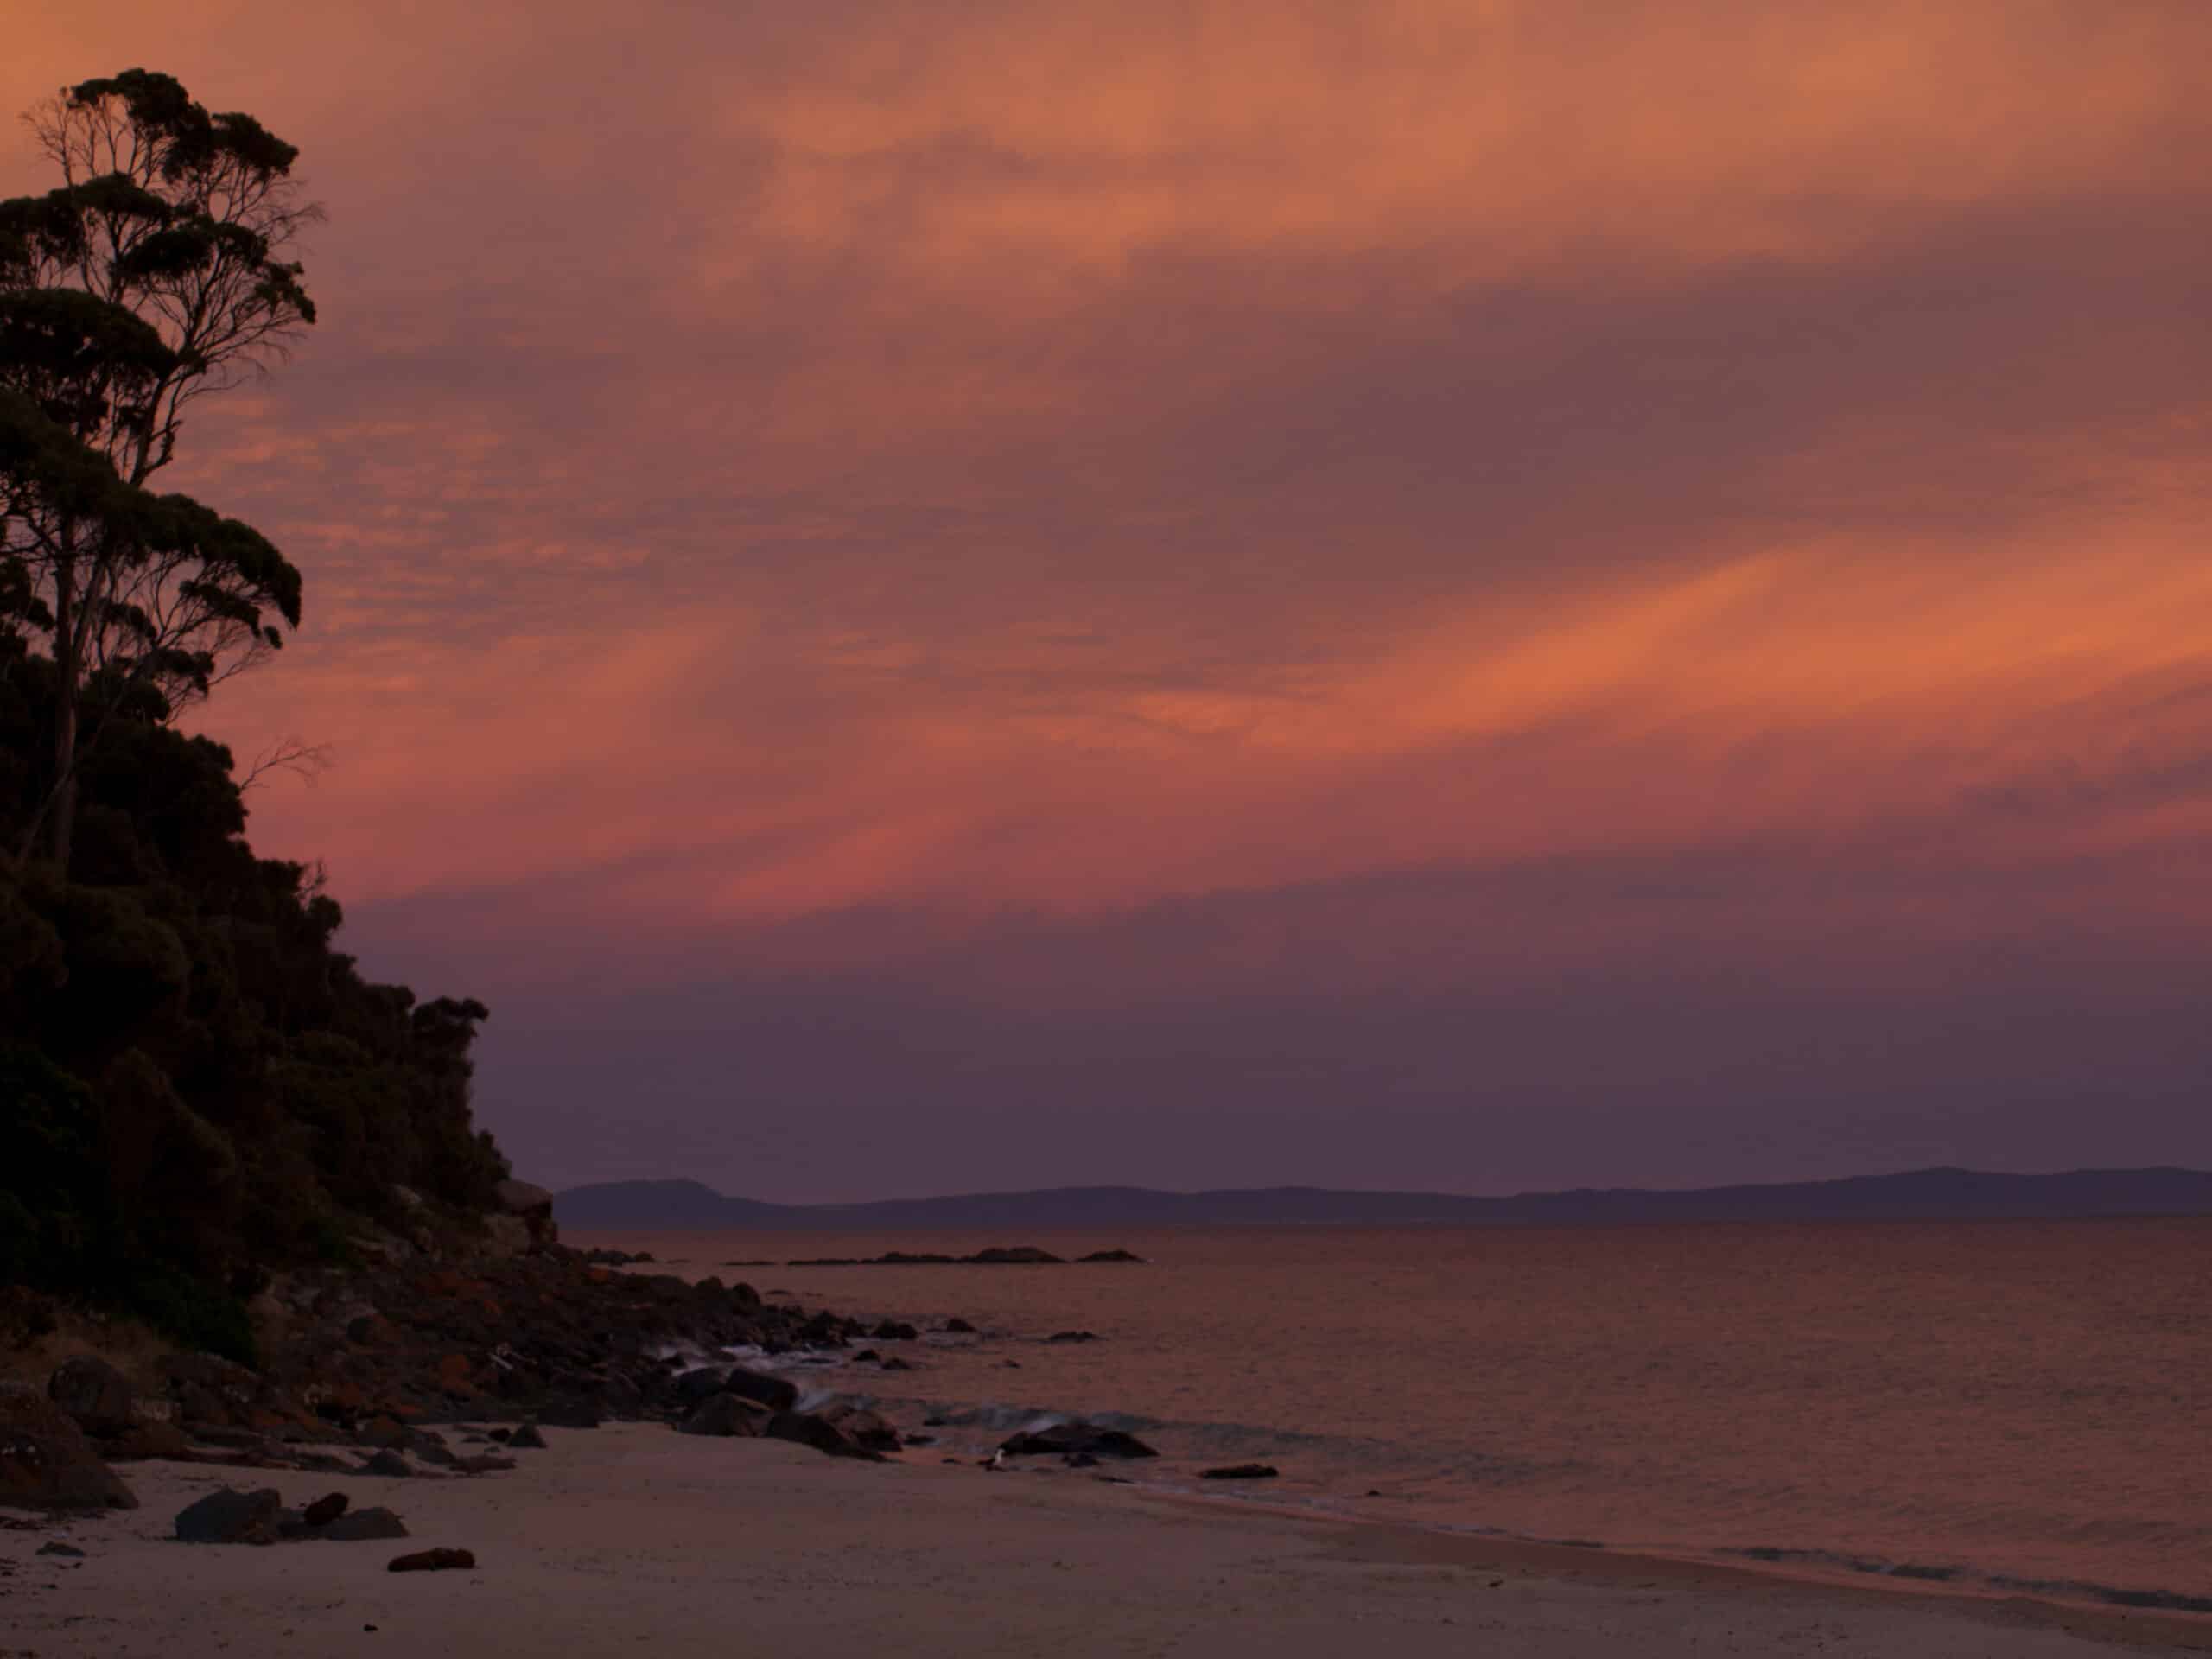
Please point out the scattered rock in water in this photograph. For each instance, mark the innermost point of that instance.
(46, 1462)
(726, 1415)
(920, 1439)
(68, 1552)
(894, 1330)
(1073, 1439)
(895, 1364)
(94, 1394)
(526, 1439)
(959, 1327)
(324, 1511)
(867, 1356)
(388, 1462)
(1014, 1256)
(1242, 1472)
(1073, 1336)
(432, 1561)
(777, 1393)
(225, 1516)
(1112, 1256)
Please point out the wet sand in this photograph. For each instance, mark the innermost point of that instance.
(635, 1539)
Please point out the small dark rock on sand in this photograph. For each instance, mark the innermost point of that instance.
(386, 1462)
(526, 1439)
(959, 1328)
(1073, 1336)
(1243, 1471)
(894, 1330)
(68, 1552)
(432, 1561)
(324, 1511)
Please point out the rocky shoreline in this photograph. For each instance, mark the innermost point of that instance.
(448, 1362)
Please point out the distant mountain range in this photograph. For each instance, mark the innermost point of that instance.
(1919, 1195)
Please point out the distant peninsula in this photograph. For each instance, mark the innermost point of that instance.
(1915, 1195)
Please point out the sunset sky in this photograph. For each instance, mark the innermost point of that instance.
(1506, 593)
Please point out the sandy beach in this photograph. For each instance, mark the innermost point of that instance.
(632, 1537)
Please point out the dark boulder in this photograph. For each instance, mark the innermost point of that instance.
(894, 1330)
(1073, 1336)
(46, 1462)
(386, 1461)
(91, 1392)
(1071, 1440)
(777, 1393)
(895, 1364)
(960, 1327)
(384, 1431)
(324, 1511)
(432, 1561)
(225, 1516)
(1014, 1255)
(526, 1439)
(804, 1428)
(533, 1206)
(863, 1427)
(1111, 1255)
(362, 1526)
(690, 1387)
(726, 1415)
(1242, 1472)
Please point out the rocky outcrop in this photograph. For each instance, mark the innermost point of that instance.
(46, 1462)
(531, 1205)
(1242, 1472)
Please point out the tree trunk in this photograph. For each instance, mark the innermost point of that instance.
(61, 814)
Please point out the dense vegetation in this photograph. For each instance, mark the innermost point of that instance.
(195, 1087)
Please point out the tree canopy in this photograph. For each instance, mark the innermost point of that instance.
(154, 273)
(196, 1086)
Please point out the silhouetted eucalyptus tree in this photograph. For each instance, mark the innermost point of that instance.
(153, 274)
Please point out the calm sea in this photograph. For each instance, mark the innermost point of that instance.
(2000, 1405)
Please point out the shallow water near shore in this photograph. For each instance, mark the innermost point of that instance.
(2010, 1406)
